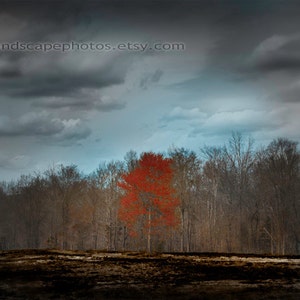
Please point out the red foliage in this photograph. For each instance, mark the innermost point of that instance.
(148, 190)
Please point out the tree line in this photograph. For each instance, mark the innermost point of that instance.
(233, 198)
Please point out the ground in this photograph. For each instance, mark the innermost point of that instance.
(53, 274)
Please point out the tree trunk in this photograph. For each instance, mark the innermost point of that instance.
(149, 232)
(182, 231)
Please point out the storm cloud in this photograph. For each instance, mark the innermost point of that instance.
(278, 53)
(43, 124)
(239, 71)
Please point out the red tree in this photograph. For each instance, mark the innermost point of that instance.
(149, 196)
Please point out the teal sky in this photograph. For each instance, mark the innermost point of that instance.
(239, 71)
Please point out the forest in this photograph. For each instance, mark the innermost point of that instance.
(236, 198)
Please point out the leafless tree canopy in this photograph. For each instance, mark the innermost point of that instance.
(232, 199)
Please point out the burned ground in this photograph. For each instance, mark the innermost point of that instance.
(52, 274)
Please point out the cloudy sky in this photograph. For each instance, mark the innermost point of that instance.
(239, 71)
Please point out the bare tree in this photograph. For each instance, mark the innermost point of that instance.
(110, 174)
(278, 171)
(186, 180)
(66, 188)
(212, 196)
(240, 160)
(237, 199)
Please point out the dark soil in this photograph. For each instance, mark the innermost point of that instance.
(52, 274)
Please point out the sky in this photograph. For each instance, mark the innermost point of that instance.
(227, 66)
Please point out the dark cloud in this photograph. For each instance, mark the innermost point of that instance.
(37, 74)
(30, 124)
(73, 132)
(55, 77)
(49, 16)
(62, 84)
(279, 63)
(9, 66)
(43, 124)
(9, 73)
(151, 78)
(278, 53)
(233, 22)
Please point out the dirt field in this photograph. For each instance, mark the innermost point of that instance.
(51, 274)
